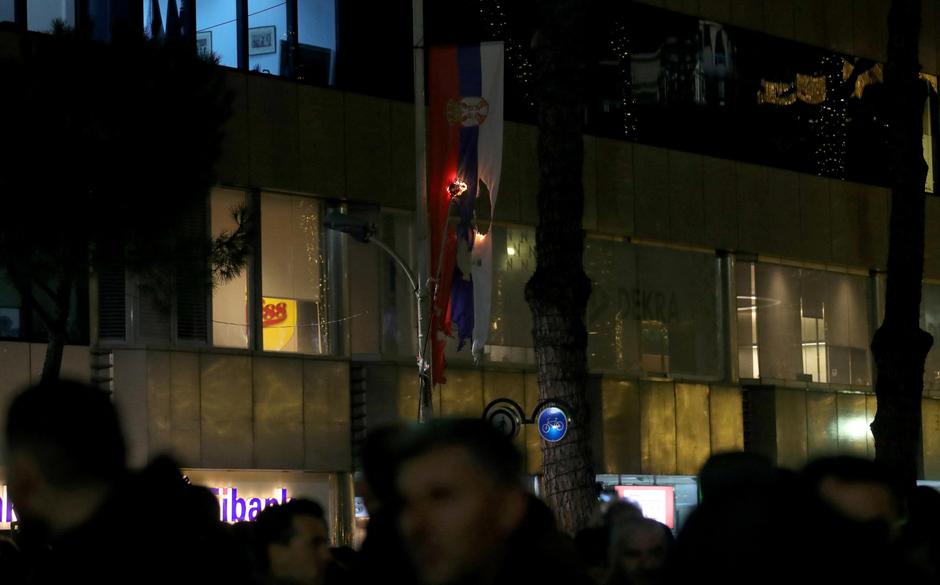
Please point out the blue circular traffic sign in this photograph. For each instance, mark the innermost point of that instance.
(553, 424)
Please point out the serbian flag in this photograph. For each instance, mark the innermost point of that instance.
(464, 158)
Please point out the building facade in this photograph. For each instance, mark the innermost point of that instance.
(736, 241)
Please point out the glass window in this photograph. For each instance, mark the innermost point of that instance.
(11, 317)
(103, 16)
(267, 35)
(216, 30)
(677, 305)
(612, 322)
(928, 136)
(41, 15)
(229, 300)
(162, 17)
(315, 56)
(510, 335)
(799, 324)
(746, 303)
(20, 318)
(680, 82)
(653, 311)
(398, 320)
(293, 260)
(6, 10)
(930, 322)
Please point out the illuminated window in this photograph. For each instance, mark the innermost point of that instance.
(802, 325)
(294, 308)
(230, 299)
(746, 303)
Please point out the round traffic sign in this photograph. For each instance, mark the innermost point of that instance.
(553, 424)
(505, 421)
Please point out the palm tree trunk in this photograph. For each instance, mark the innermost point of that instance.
(900, 346)
(558, 291)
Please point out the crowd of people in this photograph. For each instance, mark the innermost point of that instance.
(447, 507)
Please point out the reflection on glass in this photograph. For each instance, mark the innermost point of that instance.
(652, 310)
(314, 57)
(267, 35)
(217, 30)
(676, 81)
(613, 321)
(6, 10)
(41, 15)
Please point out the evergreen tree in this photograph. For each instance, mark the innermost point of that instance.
(107, 151)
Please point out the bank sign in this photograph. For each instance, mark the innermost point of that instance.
(237, 507)
(7, 513)
(234, 505)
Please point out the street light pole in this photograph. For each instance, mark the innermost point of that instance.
(363, 231)
(422, 247)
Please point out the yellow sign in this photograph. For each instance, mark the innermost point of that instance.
(279, 324)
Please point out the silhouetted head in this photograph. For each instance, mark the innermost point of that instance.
(70, 430)
(639, 549)
(461, 499)
(292, 543)
(65, 454)
(735, 472)
(857, 489)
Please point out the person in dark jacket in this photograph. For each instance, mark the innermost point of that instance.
(466, 517)
(84, 517)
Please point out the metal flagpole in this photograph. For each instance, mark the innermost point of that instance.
(425, 405)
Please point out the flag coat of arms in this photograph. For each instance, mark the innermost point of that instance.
(464, 159)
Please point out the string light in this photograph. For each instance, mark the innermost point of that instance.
(495, 26)
(830, 93)
(620, 45)
(831, 121)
